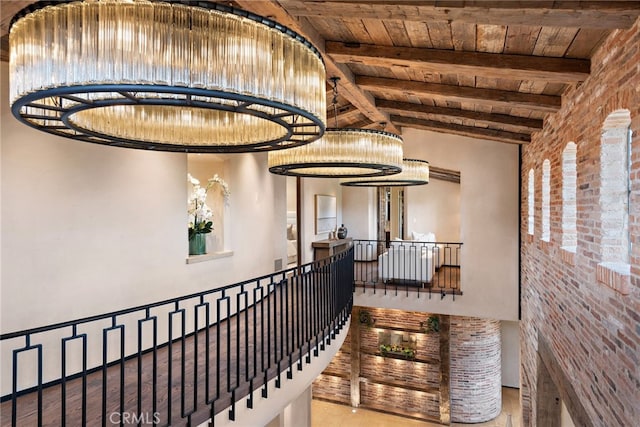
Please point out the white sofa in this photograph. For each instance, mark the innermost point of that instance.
(408, 261)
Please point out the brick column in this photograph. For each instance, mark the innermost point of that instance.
(476, 381)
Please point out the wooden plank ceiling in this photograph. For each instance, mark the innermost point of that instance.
(487, 69)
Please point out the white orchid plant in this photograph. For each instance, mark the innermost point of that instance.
(200, 214)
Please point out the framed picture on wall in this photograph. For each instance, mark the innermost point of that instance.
(326, 213)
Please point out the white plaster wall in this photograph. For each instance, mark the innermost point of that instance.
(489, 211)
(298, 412)
(88, 229)
(359, 212)
(291, 193)
(510, 338)
(311, 187)
(435, 208)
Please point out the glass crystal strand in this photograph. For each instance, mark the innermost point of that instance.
(180, 41)
(121, 27)
(108, 41)
(216, 52)
(199, 42)
(36, 55)
(233, 50)
(288, 70)
(127, 58)
(73, 16)
(144, 44)
(162, 55)
(255, 68)
(277, 70)
(17, 39)
(244, 82)
(55, 31)
(263, 46)
(305, 101)
(87, 69)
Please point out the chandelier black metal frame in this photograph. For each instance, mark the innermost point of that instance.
(57, 110)
(414, 172)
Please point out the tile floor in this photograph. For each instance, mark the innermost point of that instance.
(325, 414)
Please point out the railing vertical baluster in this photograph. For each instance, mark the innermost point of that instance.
(104, 376)
(139, 357)
(282, 312)
(317, 307)
(63, 385)
(218, 345)
(246, 335)
(39, 352)
(169, 361)
(154, 381)
(196, 352)
(276, 358)
(255, 329)
(122, 357)
(299, 319)
(84, 379)
(228, 339)
(238, 335)
(63, 373)
(267, 338)
(262, 336)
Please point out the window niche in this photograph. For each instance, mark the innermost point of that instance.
(546, 201)
(531, 203)
(569, 206)
(615, 161)
(204, 167)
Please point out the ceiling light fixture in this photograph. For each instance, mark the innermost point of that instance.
(414, 172)
(341, 153)
(183, 76)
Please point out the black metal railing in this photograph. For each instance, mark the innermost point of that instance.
(179, 361)
(393, 265)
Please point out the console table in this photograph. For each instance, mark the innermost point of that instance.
(328, 247)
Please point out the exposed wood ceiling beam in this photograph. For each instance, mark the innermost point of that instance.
(492, 97)
(398, 107)
(579, 14)
(444, 174)
(348, 89)
(474, 132)
(495, 65)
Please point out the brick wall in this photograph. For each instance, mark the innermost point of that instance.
(593, 329)
(476, 370)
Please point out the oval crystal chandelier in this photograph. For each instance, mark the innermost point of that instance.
(414, 172)
(341, 153)
(186, 76)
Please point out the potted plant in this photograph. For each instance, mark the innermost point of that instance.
(366, 319)
(432, 324)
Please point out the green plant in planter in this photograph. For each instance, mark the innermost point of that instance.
(366, 319)
(432, 324)
(387, 350)
(409, 353)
